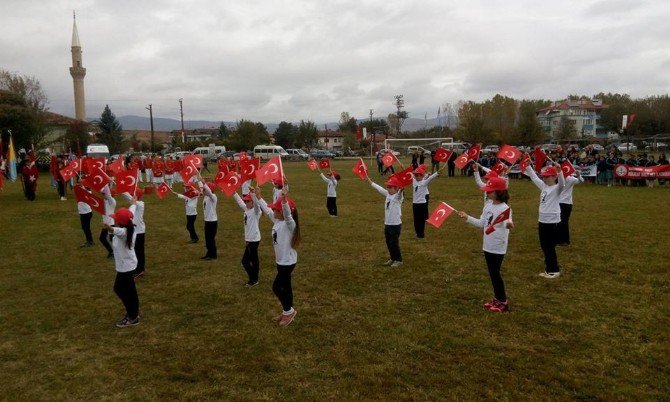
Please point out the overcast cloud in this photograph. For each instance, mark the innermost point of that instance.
(291, 60)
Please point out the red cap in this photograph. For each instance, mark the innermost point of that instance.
(421, 169)
(494, 184)
(247, 197)
(277, 204)
(490, 174)
(122, 216)
(549, 171)
(190, 192)
(139, 193)
(393, 182)
(211, 186)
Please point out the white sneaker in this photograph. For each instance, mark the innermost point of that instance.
(550, 275)
(388, 263)
(396, 264)
(63, 199)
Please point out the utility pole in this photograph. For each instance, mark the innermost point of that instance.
(151, 120)
(399, 103)
(181, 112)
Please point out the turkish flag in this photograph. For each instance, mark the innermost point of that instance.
(92, 163)
(116, 166)
(389, 159)
(359, 133)
(439, 214)
(473, 152)
(232, 166)
(162, 190)
(75, 165)
(500, 218)
(324, 164)
(509, 153)
(312, 164)
(126, 181)
(230, 183)
(272, 170)
(83, 195)
(97, 179)
(567, 168)
(248, 168)
(195, 160)
(66, 173)
(360, 170)
(540, 158)
(219, 176)
(188, 171)
(499, 168)
(243, 156)
(525, 162)
(404, 177)
(170, 166)
(462, 161)
(442, 155)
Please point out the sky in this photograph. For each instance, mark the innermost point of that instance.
(298, 60)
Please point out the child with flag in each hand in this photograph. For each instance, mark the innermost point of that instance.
(392, 218)
(420, 198)
(252, 235)
(495, 242)
(332, 180)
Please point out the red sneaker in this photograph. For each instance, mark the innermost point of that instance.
(500, 307)
(490, 303)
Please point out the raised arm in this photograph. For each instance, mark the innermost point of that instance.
(478, 179)
(530, 172)
(106, 192)
(324, 177)
(288, 218)
(381, 190)
(263, 205)
(239, 201)
(561, 178)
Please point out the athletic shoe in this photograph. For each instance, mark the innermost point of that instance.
(127, 322)
(550, 275)
(277, 318)
(388, 263)
(396, 264)
(207, 258)
(286, 319)
(333, 216)
(249, 285)
(499, 307)
(63, 199)
(490, 303)
(87, 244)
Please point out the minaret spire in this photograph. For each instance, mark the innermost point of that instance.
(78, 72)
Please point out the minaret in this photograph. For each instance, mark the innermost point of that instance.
(77, 72)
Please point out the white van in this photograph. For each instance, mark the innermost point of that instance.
(212, 152)
(269, 151)
(97, 151)
(457, 147)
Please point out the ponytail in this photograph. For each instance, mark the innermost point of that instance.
(295, 240)
(130, 230)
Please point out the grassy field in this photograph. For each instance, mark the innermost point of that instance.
(363, 331)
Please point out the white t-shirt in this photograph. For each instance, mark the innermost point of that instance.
(245, 187)
(550, 211)
(251, 218)
(125, 259)
(421, 188)
(480, 182)
(392, 206)
(570, 183)
(282, 234)
(332, 185)
(83, 208)
(496, 242)
(138, 214)
(191, 204)
(110, 206)
(209, 204)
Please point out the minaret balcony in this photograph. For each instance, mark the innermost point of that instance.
(77, 72)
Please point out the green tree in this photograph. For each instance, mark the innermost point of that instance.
(110, 131)
(528, 130)
(566, 129)
(29, 88)
(285, 134)
(224, 132)
(76, 137)
(247, 135)
(347, 123)
(307, 135)
(471, 126)
(23, 121)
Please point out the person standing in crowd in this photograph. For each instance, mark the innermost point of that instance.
(60, 183)
(610, 162)
(190, 198)
(209, 202)
(495, 242)
(662, 160)
(392, 218)
(286, 240)
(380, 163)
(332, 180)
(551, 185)
(451, 164)
(420, 198)
(565, 203)
(651, 162)
(85, 215)
(29, 176)
(125, 261)
(140, 230)
(422, 158)
(415, 160)
(107, 220)
(434, 163)
(252, 235)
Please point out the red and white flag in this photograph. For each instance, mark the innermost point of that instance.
(540, 158)
(439, 214)
(272, 170)
(230, 183)
(116, 166)
(324, 164)
(389, 159)
(66, 173)
(312, 164)
(248, 168)
(361, 170)
(93, 163)
(567, 168)
(442, 155)
(462, 161)
(509, 153)
(243, 156)
(473, 152)
(499, 168)
(162, 190)
(525, 162)
(195, 160)
(97, 179)
(404, 177)
(189, 170)
(126, 181)
(75, 165)
(85, 196)
(500, 218)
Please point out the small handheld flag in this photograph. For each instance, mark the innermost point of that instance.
(439, 214)
(500, 218)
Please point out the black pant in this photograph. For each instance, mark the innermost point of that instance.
(124, 287)
(282, 286)
(139, 252)
(250, 261)
(190, 226)
(392, 234)
(435, 166)
(494, 262)
(331, 205)
(104, 240)
(452, 169)
(564, 227)
(420, 215)
(60, 184)
(548, 240)
(85, 220)
(210, 238)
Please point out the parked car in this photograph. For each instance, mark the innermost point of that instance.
(597, 147)
(321, 154)
(491, 149)
(455, 146)
(626, 147)
(549, 147)
(295, 154)
(416, 148)
(269, 151)
(386, 150)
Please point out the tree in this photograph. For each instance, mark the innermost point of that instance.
(566, 129)
(285, 135)
(528, 130)
(23, 121)
(247, 135)
(307, 135)
(471, 127)
(347, 123)
(28, 88)
(76, 137)
(110, 131)
(223, 131)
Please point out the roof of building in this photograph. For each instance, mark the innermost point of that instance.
(580, 104)
(329, 134)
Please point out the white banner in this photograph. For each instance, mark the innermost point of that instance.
(585, 171)
(624, 122)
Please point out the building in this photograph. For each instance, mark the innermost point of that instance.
(78, 72)
(198, 134)
(585, 114)
(330, 140)
(56, 127)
